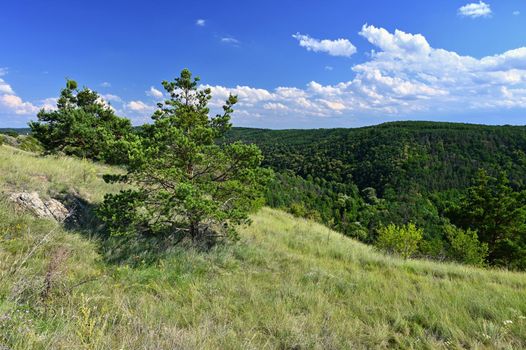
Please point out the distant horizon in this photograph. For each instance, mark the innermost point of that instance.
(327, 64)
(336, 127)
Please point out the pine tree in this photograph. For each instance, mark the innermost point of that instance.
(82, 125)
(187, 183)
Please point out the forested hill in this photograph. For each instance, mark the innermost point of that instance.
(422, 156)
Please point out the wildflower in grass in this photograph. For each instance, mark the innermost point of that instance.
(507, 322)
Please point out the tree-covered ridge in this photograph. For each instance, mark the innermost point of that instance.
(425, 156)
(462, 185)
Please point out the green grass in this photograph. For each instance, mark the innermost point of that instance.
(25, 171)
(287, 284)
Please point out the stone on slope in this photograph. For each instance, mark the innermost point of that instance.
(50, 209)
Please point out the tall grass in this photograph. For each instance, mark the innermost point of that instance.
(51, 175)
(287, 284)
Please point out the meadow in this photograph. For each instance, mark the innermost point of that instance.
(288, 283)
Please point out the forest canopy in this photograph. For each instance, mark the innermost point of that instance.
(464, 185)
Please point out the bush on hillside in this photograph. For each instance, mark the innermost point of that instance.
(400, 240)
(465, 246)
(31, 144)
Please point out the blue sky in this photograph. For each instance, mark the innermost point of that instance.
(294, 64)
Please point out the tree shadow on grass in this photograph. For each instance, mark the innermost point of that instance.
(134, 250)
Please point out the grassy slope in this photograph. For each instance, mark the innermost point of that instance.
(287, 284)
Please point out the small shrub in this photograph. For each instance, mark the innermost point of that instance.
(401, 240)
(31, 144)
(300, 210)
(465, 247)
(433, 248)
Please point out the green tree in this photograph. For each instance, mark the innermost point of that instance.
(498, 214)
(82, 125)
(465, 247)
(186, 183)
(401, 240)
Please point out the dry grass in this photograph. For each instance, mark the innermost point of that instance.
(25, 171)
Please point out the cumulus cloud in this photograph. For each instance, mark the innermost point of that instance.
(11, 103)
(153, 92)
(200, 22)
(404, 77)
(475, 10)
(17, 105)
(105, 84)
(275, 106)
(5, 88)
(16, 111)
(338, 47)
(139, 106)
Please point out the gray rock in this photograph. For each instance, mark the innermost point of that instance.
(50, 209)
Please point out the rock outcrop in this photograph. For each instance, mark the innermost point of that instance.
(50, 209)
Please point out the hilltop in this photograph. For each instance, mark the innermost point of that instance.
(288, 283)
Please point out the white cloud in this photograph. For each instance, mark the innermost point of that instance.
(338, 47)
(230, 40)
(139, 106)
(516, 13)
(10, 102)
(5, 88)
(275, 106)
(153, 92)
(399, 43)
(111, 98)
(105, 84)
(49, 103)
(200, 22)
(475, 10)
(329, 68)
(403, 77)
(17, 105)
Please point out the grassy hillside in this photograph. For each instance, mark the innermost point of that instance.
(288, 284)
